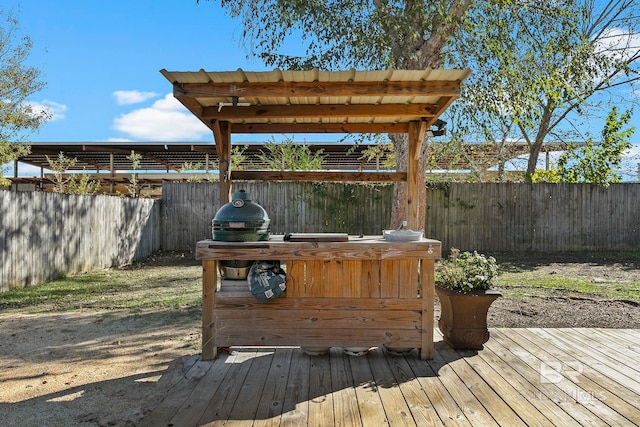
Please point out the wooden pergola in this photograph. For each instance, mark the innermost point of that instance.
(314, 101)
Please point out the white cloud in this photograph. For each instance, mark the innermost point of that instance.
(54, 110)
(165, 120)
(119, 140)
(619, 44)
(128, 97)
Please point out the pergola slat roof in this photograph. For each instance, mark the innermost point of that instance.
(317, 101)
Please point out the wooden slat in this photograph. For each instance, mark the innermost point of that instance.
(192, 409)
(370, 279)
(473, 410)
(345, 401)
(181, 392)
(252, 128)
(408, 278)
(296, 401)
(333, 281)
(414, 393)
(389, 274)
(584, 411)
(371, 410)
(314, 279)
(231, 334)
(318, 89)
(223, 400)
(320, 397)
(352, 279)
(244, 300)
(209, 284)
(318, 176)
(503, 384)
(503, 362)
(295, 278)
(396, 409)
(272, 398)
(319, 319)
(325, 111)
(435, 391)
(484, 217)
(247, 403)
(499, 410)
(427, 297)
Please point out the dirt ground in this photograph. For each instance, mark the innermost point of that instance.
(557, 309)
(111, 368)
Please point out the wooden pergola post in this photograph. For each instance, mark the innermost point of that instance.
(222, 136)
(415, 177)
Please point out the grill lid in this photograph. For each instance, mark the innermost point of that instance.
(241, 220)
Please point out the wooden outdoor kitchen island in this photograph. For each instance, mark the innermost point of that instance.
(357, 293)
(365, 292)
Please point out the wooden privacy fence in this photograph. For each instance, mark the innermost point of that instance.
(535, 217)
(45, 235)
(483, 217)
(293, 207)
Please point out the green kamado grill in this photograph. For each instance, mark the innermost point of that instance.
(241, 220)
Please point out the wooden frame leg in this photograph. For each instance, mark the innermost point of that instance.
(427, 291)
(209, 285)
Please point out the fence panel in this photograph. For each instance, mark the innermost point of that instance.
(485, 217)
(293, 207)
(535, 217)
(45, 235)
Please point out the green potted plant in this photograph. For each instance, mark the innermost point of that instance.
(463, 286)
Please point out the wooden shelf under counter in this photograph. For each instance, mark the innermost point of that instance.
(363, 292)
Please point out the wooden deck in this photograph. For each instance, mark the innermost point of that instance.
(553, 377)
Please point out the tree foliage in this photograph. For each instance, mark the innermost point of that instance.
(18, 81)
(339, 34)
(288, 155)
(77, 183)
(540, 68)
(594, 163)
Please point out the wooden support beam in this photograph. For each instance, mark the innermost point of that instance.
(209, 285)
(427, 296)
(318, 111)
(440, 108)
(420, 129)
(413, 176)
(313, 176)
(222, 136)
(251, 128)
(318, 89)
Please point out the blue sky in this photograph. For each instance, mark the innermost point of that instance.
(101, 63)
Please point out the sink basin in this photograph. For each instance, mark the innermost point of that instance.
(401, 235)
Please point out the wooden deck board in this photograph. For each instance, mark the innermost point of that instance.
(568, 378)
(523, 376)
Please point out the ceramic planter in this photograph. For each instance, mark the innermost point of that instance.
(463, 317)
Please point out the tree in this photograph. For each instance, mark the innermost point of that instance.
(287, 155)
(134, 187)
(18, 81)
(539, 68)
(594, 163)
(76, 183)
(362, 34)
